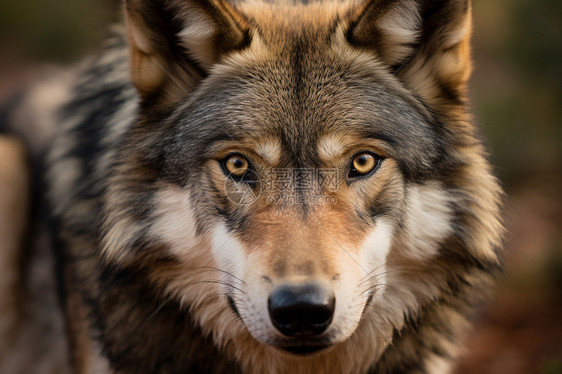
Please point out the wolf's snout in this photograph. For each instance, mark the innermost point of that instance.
(301, 310)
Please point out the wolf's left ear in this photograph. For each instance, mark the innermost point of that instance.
(426, 43)
(174, 43)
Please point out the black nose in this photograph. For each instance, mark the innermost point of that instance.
(301, 310)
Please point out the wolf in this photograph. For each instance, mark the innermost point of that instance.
(271, 187)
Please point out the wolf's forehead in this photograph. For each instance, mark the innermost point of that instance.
(274, 20)
(301, 106)
(307, 99)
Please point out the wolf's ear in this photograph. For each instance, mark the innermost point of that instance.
(424, 42)
(175, 42)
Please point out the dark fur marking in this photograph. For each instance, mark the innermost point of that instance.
(125, 342)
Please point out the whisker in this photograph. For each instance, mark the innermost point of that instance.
(212, 268)
(157, 310)
(391, 272)
(376, 285)
(372, 271)
(223, 283)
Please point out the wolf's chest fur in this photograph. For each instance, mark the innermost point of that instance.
(269, 187)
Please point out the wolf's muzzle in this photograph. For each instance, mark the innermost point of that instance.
(301, 310)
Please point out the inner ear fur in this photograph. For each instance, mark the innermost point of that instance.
(174, 43)
(426, 43)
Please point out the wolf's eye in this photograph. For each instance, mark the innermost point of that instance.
(236, 165)
(363, 164)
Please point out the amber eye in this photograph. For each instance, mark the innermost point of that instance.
(363, 163)
(236, 165)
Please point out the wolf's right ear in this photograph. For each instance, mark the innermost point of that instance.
(175, 42)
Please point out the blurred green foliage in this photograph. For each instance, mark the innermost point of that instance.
(54, 30)
(552, 366)
(518, 83)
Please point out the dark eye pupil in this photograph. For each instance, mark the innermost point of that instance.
(362, 160)
(238, 163)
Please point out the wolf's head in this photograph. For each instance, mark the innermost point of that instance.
(308, 170)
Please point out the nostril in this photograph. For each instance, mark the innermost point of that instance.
(283, 316)
(301, 309)
(322, 313)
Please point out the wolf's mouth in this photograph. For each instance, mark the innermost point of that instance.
(303, 350)
(233, 307)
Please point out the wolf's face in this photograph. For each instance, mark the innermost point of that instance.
(292, 163)
(301, 192)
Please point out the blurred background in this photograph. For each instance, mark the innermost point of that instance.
(517, 99)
